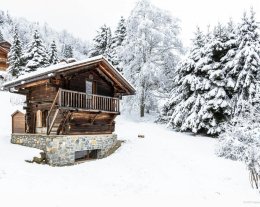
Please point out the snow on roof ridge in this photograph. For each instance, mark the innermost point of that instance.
(51, 68)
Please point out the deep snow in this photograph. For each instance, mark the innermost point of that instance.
(165, 168)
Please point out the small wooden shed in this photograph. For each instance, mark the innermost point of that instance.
(18, 122)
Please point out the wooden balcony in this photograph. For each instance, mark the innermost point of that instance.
(68, 99)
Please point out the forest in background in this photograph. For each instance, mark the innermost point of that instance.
(26, 30)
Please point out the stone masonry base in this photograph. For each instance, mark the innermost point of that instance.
(60, 149)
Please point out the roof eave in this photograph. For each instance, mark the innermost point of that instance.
(42, 76)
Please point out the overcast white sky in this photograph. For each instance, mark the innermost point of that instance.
(84, 17)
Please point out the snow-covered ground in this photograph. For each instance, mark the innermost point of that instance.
(165, 168)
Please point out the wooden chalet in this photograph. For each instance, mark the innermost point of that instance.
(78, 98)
(4, 49)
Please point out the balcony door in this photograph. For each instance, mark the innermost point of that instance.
(90, 90)
(89, 87)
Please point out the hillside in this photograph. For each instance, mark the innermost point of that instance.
(163, 169)
(48, 34)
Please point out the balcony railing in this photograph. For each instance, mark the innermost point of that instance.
(79, 100)
(73, 100)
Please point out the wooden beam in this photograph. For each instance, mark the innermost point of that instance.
(37, 83)
(94, 118)
(113, 78)
(20, 91)
(88, 110)
(40, 102)
(66, 117)
(105, 77)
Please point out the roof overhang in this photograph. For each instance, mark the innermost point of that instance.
(48, 72)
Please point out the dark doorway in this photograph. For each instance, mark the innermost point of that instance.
(86, 155)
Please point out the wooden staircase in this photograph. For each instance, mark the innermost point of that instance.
(56, 118)
(59, 119)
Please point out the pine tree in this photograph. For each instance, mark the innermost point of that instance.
(216, 109)
(68, 51)
(116, 44)
(15, 56)
(185, 101)
(231, 45)
(53, 54)
(200, 103)
(1, 36)
(221, 82)
(36, 55)
(2, 18)
(102, 42)
(243, 69)
(120, 33)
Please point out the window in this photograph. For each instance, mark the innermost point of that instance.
(89, 87)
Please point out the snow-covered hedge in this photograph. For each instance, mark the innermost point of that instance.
(241, 141)
(238, 140)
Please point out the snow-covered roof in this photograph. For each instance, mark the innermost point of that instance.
(44, 73)
(5, 46)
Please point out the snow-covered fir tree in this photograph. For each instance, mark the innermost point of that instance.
(68, 51)
(116, 43)
(199, 101)
(152, 35)
(1, 36)
(53, 54)
(243, 70)
(16, 64)
(120, 33)
(217, 108)
(102, 42)
(221, 82)
(185, 102)
(2, 14)
(36, 55)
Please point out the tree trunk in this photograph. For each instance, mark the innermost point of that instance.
(142, 105)
(142, 111)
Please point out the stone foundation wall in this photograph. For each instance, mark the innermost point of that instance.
(60, 149)
(30, 140)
